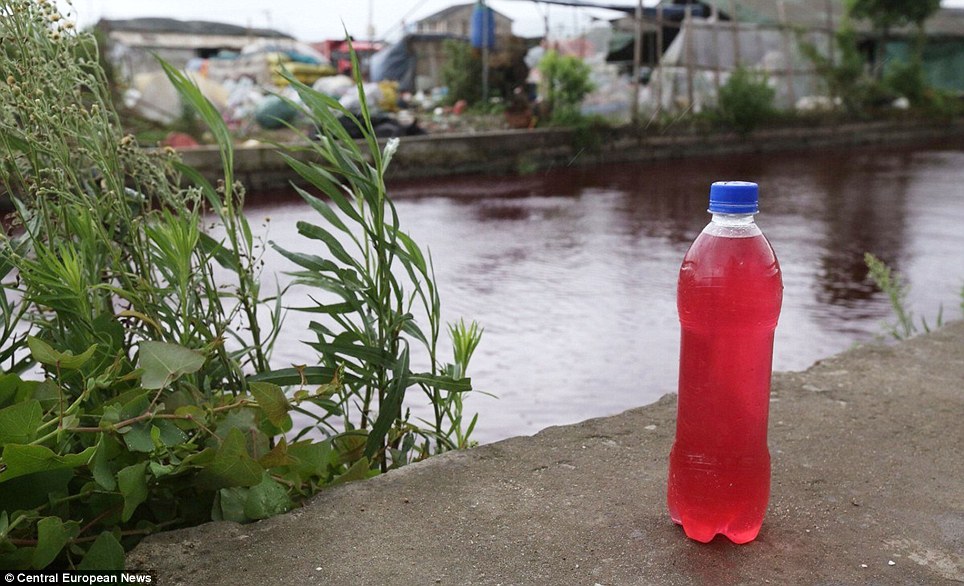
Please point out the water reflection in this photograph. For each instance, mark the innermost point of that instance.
(864, 211)
(573, 272)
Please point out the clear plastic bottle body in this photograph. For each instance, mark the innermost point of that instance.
(729, 296)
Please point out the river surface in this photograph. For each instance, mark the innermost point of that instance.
(572, 272)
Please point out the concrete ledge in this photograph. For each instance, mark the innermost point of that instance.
(868, 488)
(524, 151)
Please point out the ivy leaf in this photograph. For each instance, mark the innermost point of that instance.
(266, 499)
(278, 456)
(169, 433)
(272, 401)
(132, 482)
(163, 363)
(19, 423)
(14, 390)
(100, 468)
(52, 536)
(20, 460)
(311, 459)
(229, 505)
(105, 554)
(44, 353)
(232, 466)
(358, 471)
(138, 437)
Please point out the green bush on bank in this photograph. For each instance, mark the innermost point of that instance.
(137, 391)
(745, 101)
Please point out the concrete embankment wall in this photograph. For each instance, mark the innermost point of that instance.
(521, 151)
(867, 489)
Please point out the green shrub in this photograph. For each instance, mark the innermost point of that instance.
(566, 83)
(462, 72)
(158, 406)
(907, 79)
(844, 75)
(745, 101)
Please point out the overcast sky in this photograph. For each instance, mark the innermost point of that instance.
(313, 20)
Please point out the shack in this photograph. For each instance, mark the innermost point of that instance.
(132, 43)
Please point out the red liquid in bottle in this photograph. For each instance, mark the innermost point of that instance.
(729, 297)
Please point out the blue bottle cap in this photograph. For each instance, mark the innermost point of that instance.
(734, 197)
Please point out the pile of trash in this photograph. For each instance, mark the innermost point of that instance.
(251, 90)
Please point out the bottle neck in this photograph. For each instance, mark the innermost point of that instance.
(733, 220)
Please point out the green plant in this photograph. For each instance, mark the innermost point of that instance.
(843, 73)
(745, 101)
(896, 289)
(566, 82)
(145, 416)
(885, 15)
(378, 279)
(462, 72)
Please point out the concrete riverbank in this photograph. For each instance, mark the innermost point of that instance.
(868, 488)
(259, 168)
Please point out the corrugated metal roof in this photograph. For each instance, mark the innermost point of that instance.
(188, 27)
(814, 13)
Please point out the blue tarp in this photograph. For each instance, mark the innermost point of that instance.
(397, 61)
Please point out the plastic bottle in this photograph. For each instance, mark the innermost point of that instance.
(729, 296)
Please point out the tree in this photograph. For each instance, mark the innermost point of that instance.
(462, 72)
(886, 15)
(566, 80)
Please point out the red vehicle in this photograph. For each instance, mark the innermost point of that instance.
(337, 51)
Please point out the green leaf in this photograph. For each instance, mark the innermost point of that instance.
(105, 554)
(20, 460)
(18, 559)
(43, 353)
(14, 390)
(159, 470)
(445, 383)
(358, 471)
(52, 536)
(285, 377)
(48, 393)
(245, 421)
(138, 437)
(136, 404)
(272, 401)
(163, 363)
(278, 456)
(266, 499)
(32, 490)
(229, 505)
(218, 252)
(100, 468)
(208, 112)
(232, 466)
(311, 459)
(169, 434)
(132, 482)
(334, 246)
(390, 409)
(19, 423)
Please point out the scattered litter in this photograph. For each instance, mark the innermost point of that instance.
(891, 563)
(863, 565)
(650, 427)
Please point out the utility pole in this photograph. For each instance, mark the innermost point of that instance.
(371, 23)
(485, 52)
(637, 60)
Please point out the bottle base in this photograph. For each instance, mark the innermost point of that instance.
(702, 534)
